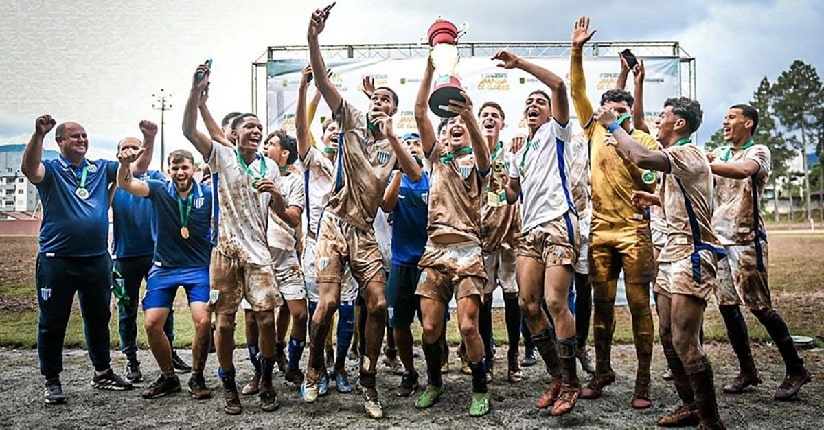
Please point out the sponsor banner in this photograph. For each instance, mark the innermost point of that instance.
(479, 76)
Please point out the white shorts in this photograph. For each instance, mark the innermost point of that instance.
(288, 275)
(500, 271)
(348, 288)
(584, 224)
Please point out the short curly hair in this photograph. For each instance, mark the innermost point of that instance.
(688, 109)
(617, 95)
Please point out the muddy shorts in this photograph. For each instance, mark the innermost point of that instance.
(613, 247)
(338, 243)
(288, 275)
(451, 270)
(232, 280)
(500, 271)
(348, 288)
(659, 238)
(676, 277)
(584, 223)
(740, 280)
(554, 243)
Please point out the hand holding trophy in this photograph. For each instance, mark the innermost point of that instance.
(443, 36)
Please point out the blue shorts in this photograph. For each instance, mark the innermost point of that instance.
(401, 301)
(162, 283)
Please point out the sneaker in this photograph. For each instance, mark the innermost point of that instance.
(323, 385)
(789, 388)
(529, 358)
(409, 384)
(163, 386)
(269, 399)
(342, 382)
(394, 364)
(566, 400)
(54, 392)
(231, 397)
(110, 381)
(294, 376)
(371, 403)
(132, 371)
(179, 364)
(683, 416)
(309, 389)
(198, 388)
(513, 369)
(586, 363)
(480, 405)
(253, 387)
(429, 397)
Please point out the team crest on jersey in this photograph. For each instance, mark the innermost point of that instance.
(465, 170)
(45, 293)
(198, 203)
(383, 156)
(506, 166)
(92, 168)
(323, 263)
(425, 197)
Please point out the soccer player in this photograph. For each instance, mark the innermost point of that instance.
(365, 158)
(619, 237)
(72, 255)
(452, 261)
(549, 235)
(406, 198)
(182, 213)
(687, 264)
(132, 251)
(241, 263)
(500, 228)
(741, 172)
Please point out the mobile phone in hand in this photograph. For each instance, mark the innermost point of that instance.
(201, 75)
(630, 58)
(328, 9)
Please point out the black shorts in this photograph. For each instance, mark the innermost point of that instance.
(401, 301)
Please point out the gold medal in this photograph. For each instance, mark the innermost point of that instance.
(184, 232)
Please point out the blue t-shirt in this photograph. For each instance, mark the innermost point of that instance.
(72, 226)
(171, 248)
(409, 220)
(129, 216)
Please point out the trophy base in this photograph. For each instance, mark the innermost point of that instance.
(439, 100)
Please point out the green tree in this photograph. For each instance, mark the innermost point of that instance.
(716, 140)
(797, 98)
(769, 135)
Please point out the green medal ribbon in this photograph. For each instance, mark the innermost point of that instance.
(682, 141)
(249, 170)
(81, 179)
(526, 151)
(498, 148)
(730, 149)
(623, 118)
(446, 159)
(184, 213)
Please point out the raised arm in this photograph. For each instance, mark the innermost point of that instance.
(623, 75)
(125, 180)
(405, 160)
(302, 119)
(325, 86)
(628, 147)
(215, 131)
(737, 170)
(577, 81)
(421, 111)
(639, 121)
(202, 143)
(479, 145)
(390, 195)
(149, 130)
(560, 102)
(32, 164)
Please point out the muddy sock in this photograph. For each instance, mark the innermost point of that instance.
(267, 366)
(346, 329)
(485, 328)
(254, 356)
(682, 384)
(295, 353)
(701, 380)
(478, 376)
(432, 355)
(512, 316)
(569, 369)
(739, 337)
(545, 343)
(780, 334)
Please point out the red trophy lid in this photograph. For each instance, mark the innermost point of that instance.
(442, 31)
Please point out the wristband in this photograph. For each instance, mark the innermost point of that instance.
(612, 127)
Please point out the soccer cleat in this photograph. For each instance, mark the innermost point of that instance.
(741, 382)
(566, 400)
(163, 386)
(323, 385)
(429, 397)
(342, 382)
(789, 388)
(179, 364)
(409, 384)
(269, 399)
(253, 387)
(683, 416)
(529, 358)
(465, 369)
(231, 397)
(110, 381)
(309, 389)
(586, 363)
(551, 395)
(54, 392)
(394, 364)
(132, 371)
(480, 405)
(445, 367)
(371, 403)
(294, 376)
(595, 388)
(198, 388)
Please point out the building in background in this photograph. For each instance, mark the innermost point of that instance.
(17, 194)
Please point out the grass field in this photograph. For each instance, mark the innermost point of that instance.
(796, 276)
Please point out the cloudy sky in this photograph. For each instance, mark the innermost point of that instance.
(99, 62)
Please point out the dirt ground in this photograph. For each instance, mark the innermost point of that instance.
(21, 401)
(21, 396)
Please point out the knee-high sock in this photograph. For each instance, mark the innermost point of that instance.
(346, 329)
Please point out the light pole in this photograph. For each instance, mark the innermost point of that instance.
(162, 102)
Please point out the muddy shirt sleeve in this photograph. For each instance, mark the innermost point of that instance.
(687, 162)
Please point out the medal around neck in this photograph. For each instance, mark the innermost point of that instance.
(82, 193)
(184, 232)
